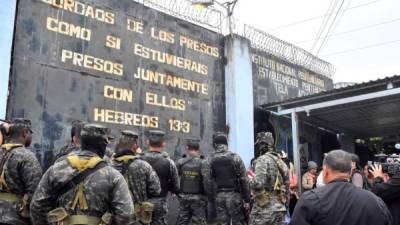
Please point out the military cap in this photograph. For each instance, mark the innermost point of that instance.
(21, 123)
(193, 143)
(220, 138)
(95, 130)
(156, 135)
(77, 123)
(129, 134)
(265, 137)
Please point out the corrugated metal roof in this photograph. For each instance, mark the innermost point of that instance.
(352, 90)
(364, 118)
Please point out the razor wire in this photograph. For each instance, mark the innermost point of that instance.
(287, 51)
(216, 20)
(210, 17)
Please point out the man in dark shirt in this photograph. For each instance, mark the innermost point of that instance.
(389, 192)
(339, 202)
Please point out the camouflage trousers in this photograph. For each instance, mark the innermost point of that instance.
(229, 209)
(9, 214)
(160, 211)
(266, 216)
(192, 210)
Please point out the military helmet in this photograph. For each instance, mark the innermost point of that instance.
(266, 138)
(220, 138)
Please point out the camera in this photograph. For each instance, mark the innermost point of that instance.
(390, 163)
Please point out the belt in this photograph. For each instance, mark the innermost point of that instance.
(83, 219)
(9, 197)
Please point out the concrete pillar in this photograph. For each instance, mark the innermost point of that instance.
(239, 96)
(296, 149)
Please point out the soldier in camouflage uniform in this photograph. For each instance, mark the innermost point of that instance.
(82, 188)
(192, 196)
(75, 143)
(167, 173)
(142, 179)
(20, 173)
(270, 184)
(227, 172)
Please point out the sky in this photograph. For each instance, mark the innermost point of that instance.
(365, 23)
(352, 66)
(7, 12)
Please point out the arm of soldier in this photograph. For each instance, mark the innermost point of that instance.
(154, 186)
(306, 210)
(284, 170)
(204, 173)
(175, 185)
(244, 183)
(121, 205)
(260, 178)
(31, 173)
(43, 200)
(207, 179)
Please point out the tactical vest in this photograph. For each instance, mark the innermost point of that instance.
(161, 166)
(191, 178)
(224, 173)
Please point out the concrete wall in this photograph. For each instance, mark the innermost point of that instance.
(239, 96)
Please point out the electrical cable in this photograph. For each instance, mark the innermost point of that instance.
(325, 21)
(354, 30)
(364, 47)
(329, 29)
(340, 17)
(318, 17)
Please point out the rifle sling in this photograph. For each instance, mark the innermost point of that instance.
(80, 177)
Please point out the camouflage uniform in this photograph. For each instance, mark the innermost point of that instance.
(64, 151)
(22, 173)
(270, 185)
(171, 184)
(104, 190)
(142, 179)
(19, 178)
(192, 209)
(229, 203)
(108, 156)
